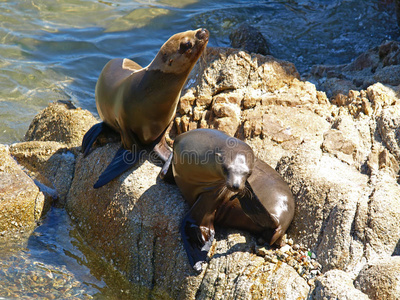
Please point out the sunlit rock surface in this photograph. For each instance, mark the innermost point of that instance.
(339, 156)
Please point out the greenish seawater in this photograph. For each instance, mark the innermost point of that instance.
(54, 49)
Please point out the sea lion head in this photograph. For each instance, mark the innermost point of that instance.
(237, 166)
(179, 54)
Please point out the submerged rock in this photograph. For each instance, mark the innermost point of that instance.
(247, 37)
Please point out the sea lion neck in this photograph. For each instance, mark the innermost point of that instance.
(167, 86)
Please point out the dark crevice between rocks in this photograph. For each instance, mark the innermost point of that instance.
(368, 221)
(72, 178)
(326, 216)
(153, 263)
(396, 251)
(353, 232)
(138, 247)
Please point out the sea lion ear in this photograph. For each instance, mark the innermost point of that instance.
(219, 157)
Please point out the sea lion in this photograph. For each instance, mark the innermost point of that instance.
(139, 103)
(267, 210)
(226, 185)
(209, 167)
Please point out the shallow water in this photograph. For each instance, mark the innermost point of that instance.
(55, 49)
(56, 263)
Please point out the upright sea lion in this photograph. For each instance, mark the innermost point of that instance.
(226, 185)
(140, 103)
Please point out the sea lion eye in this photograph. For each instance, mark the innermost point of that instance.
(225, 170)
(185, 46)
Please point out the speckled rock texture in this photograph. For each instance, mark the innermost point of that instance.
(337, 284)
(21, 202)
(61, 122)
(380, 279)
(340, 158)
(48, 155)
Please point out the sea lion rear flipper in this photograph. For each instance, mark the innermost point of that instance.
(90, 137)
(162, 149)
(166, 173)
(122, 161)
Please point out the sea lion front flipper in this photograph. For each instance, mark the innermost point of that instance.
(196, 247)
(90, 137)
(197, 229)
(122, 161)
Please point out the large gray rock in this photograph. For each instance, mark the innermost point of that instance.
(21, 202)
(336, 284)
(380, 279)
(48, 155)
(133, 222)
(340, 160)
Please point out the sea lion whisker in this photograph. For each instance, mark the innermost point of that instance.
(247, 192)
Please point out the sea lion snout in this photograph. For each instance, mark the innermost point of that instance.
(236, 181)
(202, 34)
(237, 173)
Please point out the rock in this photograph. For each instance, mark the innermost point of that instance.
(327, 193)
(248, 38)
(336, 284)
(50, 163)
(341, 161)
(388, 123)
(380, 279)
(236, 273)
(133, 222)
(233, 90)
(340, 211)
(53, 139)
(21, 202)
(380, 64)
(61, 122)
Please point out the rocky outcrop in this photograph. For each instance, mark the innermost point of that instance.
(380, 279)
(60, 122)
(48, 155)
(380, 64)
(336, 284)
(341, 160)
(21, 202)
